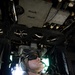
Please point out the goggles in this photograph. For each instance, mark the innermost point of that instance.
(32, 56)
(30, 53)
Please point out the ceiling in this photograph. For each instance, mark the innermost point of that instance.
(53, 21)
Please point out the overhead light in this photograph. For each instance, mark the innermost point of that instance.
(44, 25)
(51, 27)
(57, 27)
(71, 0)
(71, 4)
(60, 0)
(72, 14)
(1, 31)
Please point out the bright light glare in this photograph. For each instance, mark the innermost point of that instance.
(11, 57)
(46, 64)
(17, 70)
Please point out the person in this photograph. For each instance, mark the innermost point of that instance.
(35, 66)
(30, 61)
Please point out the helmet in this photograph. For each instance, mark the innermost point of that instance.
(29, 53)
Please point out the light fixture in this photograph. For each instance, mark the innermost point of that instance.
(72, 14)
(60, 0)
(71, 0)
(1, 31)
(71, 4)
(57, 27)
(51, 26)
(44, 25)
